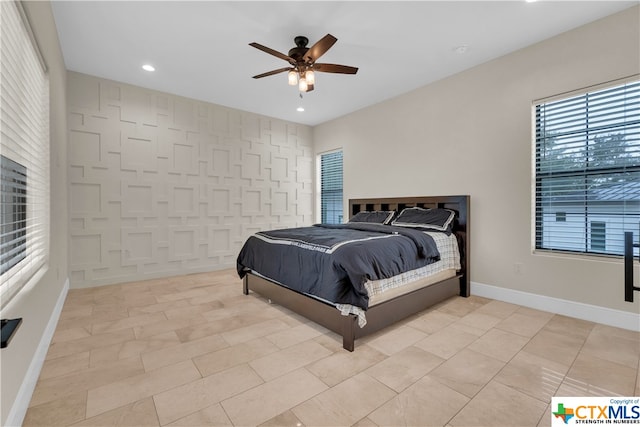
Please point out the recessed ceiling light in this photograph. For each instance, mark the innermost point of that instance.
(148, 67)
(531, 1)
(300, 109)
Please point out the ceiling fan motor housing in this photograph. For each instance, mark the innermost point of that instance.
(301, 48)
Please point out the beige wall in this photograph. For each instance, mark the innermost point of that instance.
(471, 134)
(162, 185)
(35, 304)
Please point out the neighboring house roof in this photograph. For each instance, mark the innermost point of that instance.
(628, 191)
(622, 192)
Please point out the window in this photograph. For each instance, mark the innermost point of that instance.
(13, 213)
(587, 166)
(598, 236)
(24, 144)
(331, 211)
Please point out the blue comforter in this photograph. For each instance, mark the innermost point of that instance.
(333, 262)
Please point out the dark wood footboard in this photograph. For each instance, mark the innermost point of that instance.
(378, 317)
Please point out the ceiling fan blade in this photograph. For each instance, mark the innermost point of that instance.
(335, 68)
(273, 52)
(319, 49)
(270, 73)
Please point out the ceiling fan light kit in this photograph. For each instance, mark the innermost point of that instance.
(303, 86)
(310, 77)
(303, 62)
(293, 78)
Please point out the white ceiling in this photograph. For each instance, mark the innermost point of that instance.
(200, 49)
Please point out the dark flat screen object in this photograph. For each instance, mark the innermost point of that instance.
(9, 327)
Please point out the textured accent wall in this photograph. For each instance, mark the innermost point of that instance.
(162, 185)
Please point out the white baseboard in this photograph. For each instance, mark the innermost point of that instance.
(593, 313)
(21, 404)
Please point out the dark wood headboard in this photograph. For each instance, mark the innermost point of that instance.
(458, 204)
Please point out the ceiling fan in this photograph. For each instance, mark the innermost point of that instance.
(303, 62)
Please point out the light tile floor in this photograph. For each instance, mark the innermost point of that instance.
(192, 350)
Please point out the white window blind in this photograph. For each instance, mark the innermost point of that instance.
(587, 171)
(331, 211)
(24, 146)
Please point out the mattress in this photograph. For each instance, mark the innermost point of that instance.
(386, 289)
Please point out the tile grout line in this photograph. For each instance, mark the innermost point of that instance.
(496, 374)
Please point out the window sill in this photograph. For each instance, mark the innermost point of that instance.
(609, 259)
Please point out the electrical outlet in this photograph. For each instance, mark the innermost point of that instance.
(517, 268)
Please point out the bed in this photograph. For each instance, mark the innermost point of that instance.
(355, 314)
